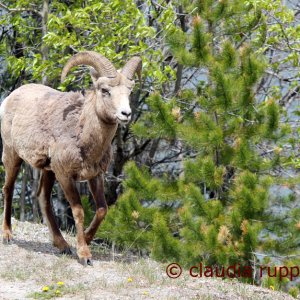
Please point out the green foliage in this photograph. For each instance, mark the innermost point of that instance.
(116, 29)
(272, 117)
(200, 41)
(223, 90)
(162, 123)
(228, 55)
(294, 291)
(88, 211)
(251, 67)
(129, 223)
(51, 291)
(165, 247)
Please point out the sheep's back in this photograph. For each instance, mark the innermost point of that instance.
(36, 116)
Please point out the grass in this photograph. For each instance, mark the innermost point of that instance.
(14, 273)
(56, 290)
(49, 291)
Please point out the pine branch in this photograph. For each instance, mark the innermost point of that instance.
(179, 66)
(280, 257)
(180, 13)
(139, 149)
(189, 79)
(169, 159)
(290, 95)
(178, 79)
(17, 10)
(152, 151)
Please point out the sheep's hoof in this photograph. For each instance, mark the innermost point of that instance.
(88, 240)
(6, 241)
(66, 251)
(85, 261)
(7, 237)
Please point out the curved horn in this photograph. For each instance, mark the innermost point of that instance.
(134, 65)
(101, 64)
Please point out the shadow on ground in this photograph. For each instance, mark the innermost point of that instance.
(99, 252)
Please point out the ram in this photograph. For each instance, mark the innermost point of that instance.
(67, 135)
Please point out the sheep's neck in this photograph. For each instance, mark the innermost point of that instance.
(95, 135)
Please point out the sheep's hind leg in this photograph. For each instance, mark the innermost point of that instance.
(96, 186)
(44, 194)
(72, 195)
(12, 163)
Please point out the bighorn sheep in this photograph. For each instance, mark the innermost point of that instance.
(68, 136)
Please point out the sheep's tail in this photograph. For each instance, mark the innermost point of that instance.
(2, 108)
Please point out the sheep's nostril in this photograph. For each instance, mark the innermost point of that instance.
(125, 113)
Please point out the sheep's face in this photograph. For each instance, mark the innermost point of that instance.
(113, 99)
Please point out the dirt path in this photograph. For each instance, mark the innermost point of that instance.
(31, 263)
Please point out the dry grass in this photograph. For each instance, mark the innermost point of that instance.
(31, 262)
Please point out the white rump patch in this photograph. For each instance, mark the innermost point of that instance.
(2, 108)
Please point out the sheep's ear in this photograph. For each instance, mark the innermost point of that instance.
(94, 75)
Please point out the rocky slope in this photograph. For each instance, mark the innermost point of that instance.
(30, 264)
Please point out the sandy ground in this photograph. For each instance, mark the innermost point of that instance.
(30, 263)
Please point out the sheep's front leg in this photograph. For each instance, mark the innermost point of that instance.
(96, 186)
(46, 184)
(72, 195)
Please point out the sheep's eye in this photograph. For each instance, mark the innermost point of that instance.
(105, 92)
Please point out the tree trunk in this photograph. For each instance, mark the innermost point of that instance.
(23, 192)
(118, 164)
(44, 52)
(34, 199)
(180, 67)
(44, 48)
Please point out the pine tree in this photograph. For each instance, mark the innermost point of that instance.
(217, 211)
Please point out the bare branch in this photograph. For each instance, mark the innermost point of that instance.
(17, 10)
